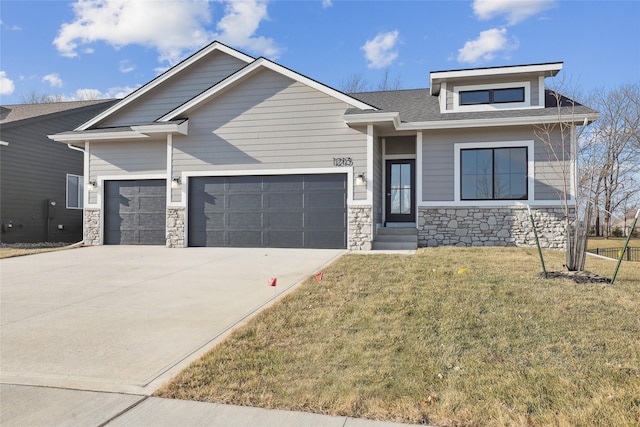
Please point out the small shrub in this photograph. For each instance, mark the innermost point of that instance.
(616, 232)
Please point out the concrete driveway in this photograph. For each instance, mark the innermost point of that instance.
(125, 319)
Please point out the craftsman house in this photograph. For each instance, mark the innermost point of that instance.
(225, 149)
(40, 180)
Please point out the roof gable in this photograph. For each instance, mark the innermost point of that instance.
(167, 75)
(249, 70)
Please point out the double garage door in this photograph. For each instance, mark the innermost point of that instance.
(289, 211)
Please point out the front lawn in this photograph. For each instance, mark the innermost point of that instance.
(450, 336)
(611, 242)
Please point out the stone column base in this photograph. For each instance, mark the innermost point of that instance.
(175, 227)
(360, 228)
(91, 227)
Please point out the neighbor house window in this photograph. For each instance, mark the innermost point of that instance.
(493, 173)
(75, 191)
(492, 96)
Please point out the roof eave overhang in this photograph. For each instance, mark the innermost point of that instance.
(134, 132)
(394, 118)
(436, 78)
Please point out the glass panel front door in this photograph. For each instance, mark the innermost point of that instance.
(400, 191)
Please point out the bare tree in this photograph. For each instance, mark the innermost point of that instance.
(388, 82)
(560, 137)
(354, 83)
(357, 83)
(34, 97)
(612, 153)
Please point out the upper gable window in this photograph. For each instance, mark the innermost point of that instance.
(491, 97)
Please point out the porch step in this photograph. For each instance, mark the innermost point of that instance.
(389, 239)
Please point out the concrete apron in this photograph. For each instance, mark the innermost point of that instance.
(125, 319)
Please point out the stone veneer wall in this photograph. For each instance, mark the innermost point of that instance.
(360, 221)
(175, 227)
(490, 226)
(91, 229)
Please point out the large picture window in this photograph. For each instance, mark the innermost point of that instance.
(75, 191)
(493, 173)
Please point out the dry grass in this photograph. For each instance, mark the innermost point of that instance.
(9, 251)
(611, 242)
(415, 339)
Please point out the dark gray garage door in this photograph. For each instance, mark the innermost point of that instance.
(284, 211)
(135, 212)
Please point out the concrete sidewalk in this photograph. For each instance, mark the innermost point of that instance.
(47, 407)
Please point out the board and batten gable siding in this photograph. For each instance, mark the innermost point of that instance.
(268, 122)
(438, 148)
(534, 85)
(123, 158)
(176, 91)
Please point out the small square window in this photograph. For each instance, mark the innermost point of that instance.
(75, 191)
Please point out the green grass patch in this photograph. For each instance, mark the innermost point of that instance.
(413, 339)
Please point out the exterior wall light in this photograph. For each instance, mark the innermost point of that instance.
(175, 182)
(92, 185)
(361, 179)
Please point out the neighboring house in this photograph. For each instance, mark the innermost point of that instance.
(40, 180)
(227, 150)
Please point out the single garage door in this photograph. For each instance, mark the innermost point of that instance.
(283, 211)
(135, 212)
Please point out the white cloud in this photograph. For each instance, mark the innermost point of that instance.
(9, 27)
(241, 21)
(514, 10)
(380, 51)
(172, 27)
(126, 66)
(486, 46)
(327, 3)
(91, 94)
(6, 84)
(53, 79)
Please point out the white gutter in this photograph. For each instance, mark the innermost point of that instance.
(372, 118)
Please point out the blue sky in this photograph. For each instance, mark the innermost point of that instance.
(106, 48)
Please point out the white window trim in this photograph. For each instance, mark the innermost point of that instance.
(457, 108)
(80, 191)
(529, 144)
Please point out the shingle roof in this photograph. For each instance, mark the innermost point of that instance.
(417, 105)
(13, 113)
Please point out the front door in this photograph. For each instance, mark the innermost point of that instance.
(400, 191)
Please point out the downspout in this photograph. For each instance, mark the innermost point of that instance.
(73, 147)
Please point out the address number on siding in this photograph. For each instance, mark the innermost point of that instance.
(342, 161)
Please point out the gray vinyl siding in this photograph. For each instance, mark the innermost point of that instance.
(269, 122)
(175, 91)
(33, 169)
(438, 161)
(550, 167)
(437, 167)
(399, 145)
(125, 158)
